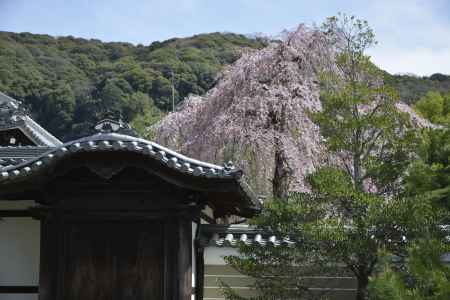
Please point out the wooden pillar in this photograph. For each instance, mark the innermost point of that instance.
(48, 260)
(178, 259)
(185, 258)
(170, 291)
(200, 270)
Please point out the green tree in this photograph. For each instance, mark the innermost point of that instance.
(429, 176)
(375, 143)
(144, 121)
(356, 206)
(434, 107)
(424, 276)
(332, 225)
(275, 269)
(112, 96)
(58, 106)
(412, 87)
(162, 91)
(359, 120)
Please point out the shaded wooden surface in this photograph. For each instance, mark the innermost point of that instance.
(23, 289)
(15, 213)
(113, 261)
(184, 270)
(49, 259)
(125, 237)
(116, 260)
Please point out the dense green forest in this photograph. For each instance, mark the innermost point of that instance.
(69, 83)
(411, 88)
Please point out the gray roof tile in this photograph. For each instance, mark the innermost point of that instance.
(19, 158)
(234, 235)
(12, 156)
(12, 116)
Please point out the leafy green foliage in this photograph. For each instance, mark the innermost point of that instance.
(375, 142)
(336, 223)
(423, 277)
(359, 119)
(355, 224)
(281, 272)
(143, 123)
(69, 83)
(434, 107)
(411, 88)
(429, 176)
(357, 206)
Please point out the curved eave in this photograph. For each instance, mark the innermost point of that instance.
(28, 126)
(41, 136)
(34, 132)
(11, 102)
(174, 162)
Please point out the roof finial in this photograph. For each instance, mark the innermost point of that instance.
(114, 125)
(108, 126)
(229, 166)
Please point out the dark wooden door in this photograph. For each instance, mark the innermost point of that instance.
(113, 261)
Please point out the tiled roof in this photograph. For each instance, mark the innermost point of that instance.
(233, 235)
(118, 142)
(23, 151)
(11, 117)
(21, 165)
(10, 102)
(11, 156)
(28, 169)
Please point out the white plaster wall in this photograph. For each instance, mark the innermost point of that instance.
(214, 255)
(194, 229)
(19, 250)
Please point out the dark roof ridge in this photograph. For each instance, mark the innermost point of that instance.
(9, 101)
(115, 141)
(128, 138)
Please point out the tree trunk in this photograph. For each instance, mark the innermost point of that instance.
(361, 293)
(282, 174)
(357, 172)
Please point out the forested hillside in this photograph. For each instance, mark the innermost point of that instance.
(69, 83)
(411, 88)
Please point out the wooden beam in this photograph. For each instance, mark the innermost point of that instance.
(207, 218)
(23, 289)
(16, 213)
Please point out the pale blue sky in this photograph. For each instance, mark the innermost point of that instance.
(413, 35)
